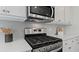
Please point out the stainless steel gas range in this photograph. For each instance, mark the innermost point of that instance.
(41, 42)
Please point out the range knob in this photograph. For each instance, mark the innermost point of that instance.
(44, 49)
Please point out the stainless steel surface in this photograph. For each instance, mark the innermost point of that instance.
(45, 19)
(35, 30)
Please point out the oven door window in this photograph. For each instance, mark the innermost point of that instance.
(41, 10)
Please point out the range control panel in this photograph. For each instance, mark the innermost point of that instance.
(35, 30)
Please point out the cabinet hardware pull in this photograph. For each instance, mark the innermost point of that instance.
(78, 42)
(77, 39)
(65, 43)
(8, 11)
(69, 47)
(4, 10)
(59, 20)
(72, 41)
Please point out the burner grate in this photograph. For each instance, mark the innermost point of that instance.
(37, 41)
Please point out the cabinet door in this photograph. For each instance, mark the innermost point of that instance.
(67, 15)
(59, 14)
(16, 11)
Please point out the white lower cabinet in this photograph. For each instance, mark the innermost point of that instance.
(71, 45)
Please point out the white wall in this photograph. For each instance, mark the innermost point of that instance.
(74, 29)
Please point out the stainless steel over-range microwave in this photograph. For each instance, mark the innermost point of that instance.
(40, 13)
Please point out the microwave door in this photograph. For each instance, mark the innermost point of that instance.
(44, 11)
(41, 13)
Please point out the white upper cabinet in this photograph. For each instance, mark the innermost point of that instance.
(67, 15)
(13, 13)
(62, 15)
(16, 11)
(59, 14)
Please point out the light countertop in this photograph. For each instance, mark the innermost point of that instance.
(66, 37)
(18, 45)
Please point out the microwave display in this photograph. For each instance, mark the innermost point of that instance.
(41, 10)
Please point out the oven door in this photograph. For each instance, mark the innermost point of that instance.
(41, 13)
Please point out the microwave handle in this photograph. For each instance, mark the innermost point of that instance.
(28, 10)
(53, 11)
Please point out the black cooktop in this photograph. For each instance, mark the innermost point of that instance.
(40, 40)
